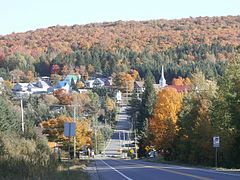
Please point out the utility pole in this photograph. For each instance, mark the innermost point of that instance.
(119, 136)
(22, 114)
(74, 137)
(128, 139)
(135, 139)
(124, 139)
(95, 142)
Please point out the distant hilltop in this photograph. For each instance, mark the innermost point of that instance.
(155, 35)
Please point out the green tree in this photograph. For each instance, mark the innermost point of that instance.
(195, 123)
(227, 112)
(148, 102)
(10, 119)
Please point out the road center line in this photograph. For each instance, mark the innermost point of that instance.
(123, 175)
(173, 171)
(180, 173)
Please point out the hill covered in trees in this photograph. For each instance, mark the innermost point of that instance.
(181, 45)
(137, 36)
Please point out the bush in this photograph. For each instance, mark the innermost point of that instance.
(22, 158)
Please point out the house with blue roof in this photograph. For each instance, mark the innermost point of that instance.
(63, 85)
(70, 77)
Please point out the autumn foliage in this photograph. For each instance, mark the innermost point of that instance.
(162, 124)
(181, 81)
(55, 127)
(63, 97)
(160, 34)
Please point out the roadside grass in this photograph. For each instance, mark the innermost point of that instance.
(76, 170)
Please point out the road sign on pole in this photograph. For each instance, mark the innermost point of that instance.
(69, 131)
(216, 141)
(216, 145)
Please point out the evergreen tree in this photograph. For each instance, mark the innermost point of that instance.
(9, 119)
(148, 101)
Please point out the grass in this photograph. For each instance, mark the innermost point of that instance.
(76, 170)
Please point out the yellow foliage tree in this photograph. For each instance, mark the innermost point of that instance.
(80, 85)
(110, 104)
(55, 127)
(162, 124)
(181, 81)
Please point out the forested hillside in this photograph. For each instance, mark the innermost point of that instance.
(181, 45)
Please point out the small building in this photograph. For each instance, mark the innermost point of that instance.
(119, 97)
(82, 91)
(89, 84)
(71, 77)
(63, 85)
(98, 83)
(139, 86)
(181, 89)
(31, 88)
(21, 87)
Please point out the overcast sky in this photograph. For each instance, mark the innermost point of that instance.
(24, 15)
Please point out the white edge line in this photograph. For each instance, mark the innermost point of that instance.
(123, 175)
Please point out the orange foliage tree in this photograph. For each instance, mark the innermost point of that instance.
(124, 80)
(181, 81)
(162, 125)
(55, 128)
(63, 97)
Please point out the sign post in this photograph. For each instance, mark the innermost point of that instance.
(216, 145)
(69, 131)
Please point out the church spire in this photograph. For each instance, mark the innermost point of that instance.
(162, 80)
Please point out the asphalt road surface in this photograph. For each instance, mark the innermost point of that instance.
(118, 169)
(113, 167)
(121, 137)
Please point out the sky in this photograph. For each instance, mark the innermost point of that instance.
(23, 15)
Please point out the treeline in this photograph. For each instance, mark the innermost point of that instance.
(180, 61)
(181, 126)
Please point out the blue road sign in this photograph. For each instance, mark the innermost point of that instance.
(69, 129)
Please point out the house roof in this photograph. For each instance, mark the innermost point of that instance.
(99, 80)
(61, 84)
(139, 84)
(40, 83)
(179, 89)
(70, 77)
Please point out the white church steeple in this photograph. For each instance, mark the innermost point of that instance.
(162, 80)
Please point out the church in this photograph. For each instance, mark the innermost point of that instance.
(163, 84)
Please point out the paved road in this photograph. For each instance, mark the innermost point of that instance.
(120, 138)
(118, 169)
(106, 168)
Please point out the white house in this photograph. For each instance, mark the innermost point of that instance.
(1, 85)
(20, 87)
(89, 83)
(119, 96)
(38, 87)
(82, 91)
(32, 88)
(98, 83)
